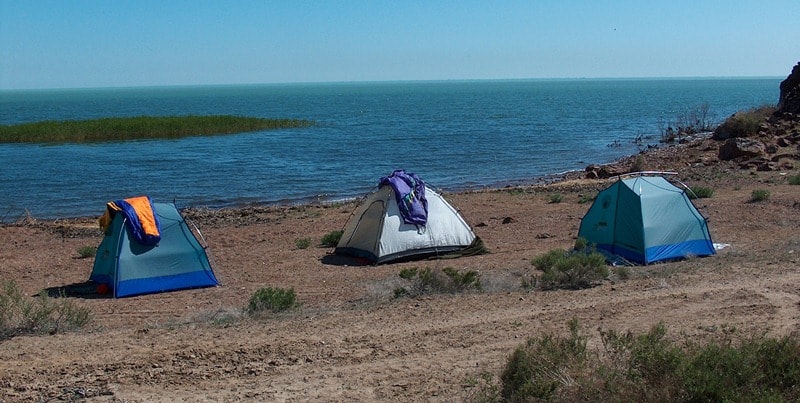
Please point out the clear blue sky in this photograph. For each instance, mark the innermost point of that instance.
(108, 43)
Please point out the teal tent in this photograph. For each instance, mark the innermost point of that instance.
(646, 219)
(176, 262)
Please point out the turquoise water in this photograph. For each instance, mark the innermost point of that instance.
(455, 135)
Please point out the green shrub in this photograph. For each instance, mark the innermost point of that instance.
(556, 198)
(408, 274)
(581, 244)
(651, 367)
(743, 124)
(759, 195)
(642, 365)
(272, 299)
(331, 239)
(87, 251)
(42, 315)
(400, 292)
(571, 270)
(700, 192)
(622, 272)
(463, 281)
(302, 243)
(760, 369)
(794, 180)
(583, 199)
(538, 368)
(483, 388)
(427, 281)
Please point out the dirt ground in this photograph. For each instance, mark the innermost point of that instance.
(351, 340)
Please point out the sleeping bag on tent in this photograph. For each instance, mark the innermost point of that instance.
(645, 220)
(129, 267)
(140, 217)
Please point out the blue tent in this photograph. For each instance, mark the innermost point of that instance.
(129, 268)
(645, 220)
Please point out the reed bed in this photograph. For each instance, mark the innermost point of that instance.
(139, 128)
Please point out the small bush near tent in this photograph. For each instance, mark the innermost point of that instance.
(272, 299)
(331, 239)
(700, 192)
(759, 195)
(42, 315)
(87, 251)
(570, 269)
(427, 281)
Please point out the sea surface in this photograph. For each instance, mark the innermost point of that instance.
(455, 135)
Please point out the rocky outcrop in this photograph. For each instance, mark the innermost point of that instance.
(789, 101)
(741, 148)
(634, 163)
(779, 138)
(605, 171)
(768, 145)
(763, 139)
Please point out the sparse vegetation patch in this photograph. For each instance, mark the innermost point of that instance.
(331, 239)
(41, 315)
(272, 299)
(759, 195)
(556, 198)
(700, 192)
(537, 369)
(570, 269)
(695, 120)
(427, 281)
(649, 367)
(584, 198)
(302, 243)
(87, 251)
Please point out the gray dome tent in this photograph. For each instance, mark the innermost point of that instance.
(376, 231)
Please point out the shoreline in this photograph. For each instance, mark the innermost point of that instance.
(697, 149)
(501, 144)
(320, 200)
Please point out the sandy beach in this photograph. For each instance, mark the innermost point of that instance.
(351, 340)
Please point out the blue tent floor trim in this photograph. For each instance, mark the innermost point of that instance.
(662, 252)
(176, 282)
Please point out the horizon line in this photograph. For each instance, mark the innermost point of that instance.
(399, 81)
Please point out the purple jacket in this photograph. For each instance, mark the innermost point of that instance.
(409, 191)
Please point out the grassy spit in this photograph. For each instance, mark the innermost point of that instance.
(139, 128)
